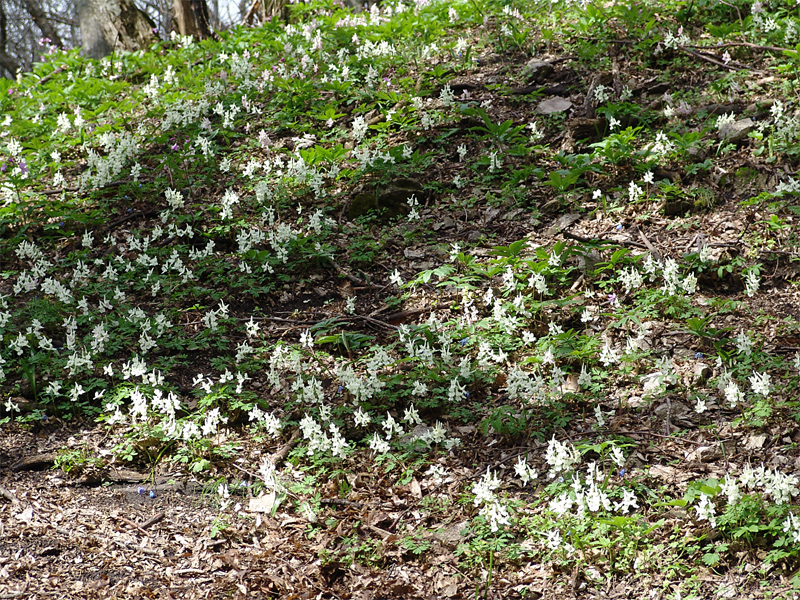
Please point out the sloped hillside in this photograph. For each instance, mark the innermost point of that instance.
(445, 299)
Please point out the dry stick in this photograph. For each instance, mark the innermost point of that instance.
(399, 315)
(714, 60)
(585, 240)
(153, 520)
(374, 321)
(355, 279)
(655, 253)
(131, 523)
(281, 454)
(746, 44)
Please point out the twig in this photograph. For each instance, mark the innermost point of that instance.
(281, 454)
(148, 551)
(131, 523)
(49, 76)
(153, 520)
(714, 61)
(746, 44)
(375, 321)
(355, 279)
(121, 220)
(398, 315)
(585, 240)
(656, 254)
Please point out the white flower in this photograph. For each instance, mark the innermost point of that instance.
(617, 456)
(379, 445)
(706, 510)
(524, 472)
(361, 418)
(359, 129)
(608, 356)
(562, 505)
(760, 383)
(627, 503)
(411, 416)
(306, 339)
(733, 394)
(561, 457)
(731, 489)
(792, 526)
(744, 344)
(554, 539)
(752, 283)
(437, 474)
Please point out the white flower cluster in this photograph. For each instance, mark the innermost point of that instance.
(672, 279)
(495, 513)
(780, 487)
(319, 440)
(561, 457)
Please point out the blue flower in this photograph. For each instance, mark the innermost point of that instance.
(619, 226)
(698, 355)
(140, 490)
(152, 494)
(622, 472)
(464, 341)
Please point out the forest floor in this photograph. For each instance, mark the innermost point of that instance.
(105, 510)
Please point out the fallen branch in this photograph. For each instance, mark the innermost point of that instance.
(37, 462)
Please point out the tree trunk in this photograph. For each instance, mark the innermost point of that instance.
(6, 62)
(191, 18)
(43, 23)
(111, 25)
(267, 10)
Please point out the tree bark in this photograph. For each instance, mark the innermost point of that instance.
(267, 10)
(111, 25)
(43, 23)
(191, 18)
(7, 61)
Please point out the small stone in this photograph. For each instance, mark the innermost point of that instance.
(737, 131)
(701, 373)
(553, 105)
(562, 223)
(536, 71)
(491, 214)
(756, 441)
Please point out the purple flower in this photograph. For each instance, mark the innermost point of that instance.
(140, 490)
